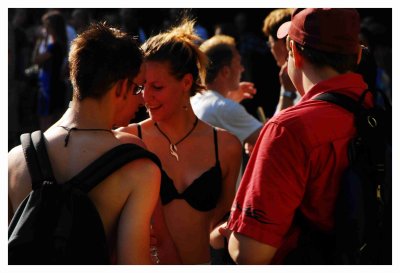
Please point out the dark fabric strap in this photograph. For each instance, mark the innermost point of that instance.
(42, 155)
(36, 158)
(216, 144)
(139, 131)
(109, 162)
(344, 101)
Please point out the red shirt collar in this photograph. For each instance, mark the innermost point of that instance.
(350, 84)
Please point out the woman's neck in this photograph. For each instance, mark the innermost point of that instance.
(178, 124)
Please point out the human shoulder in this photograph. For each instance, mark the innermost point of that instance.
(227, 139)
(15, 156)
(131, 134)
(142, 173)
(129, 137)
(19, 184)
(232, 108)
(206, 98)
(16, 164)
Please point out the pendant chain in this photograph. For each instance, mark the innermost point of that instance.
(69, 130)
(172, 147)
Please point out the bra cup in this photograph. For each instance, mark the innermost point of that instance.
(202, 194)
(168, 191)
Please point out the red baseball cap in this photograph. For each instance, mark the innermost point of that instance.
(329, 30)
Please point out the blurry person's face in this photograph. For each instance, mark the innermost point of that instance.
(133, 95)
(278, 50)
(236, 70)
(163, 94)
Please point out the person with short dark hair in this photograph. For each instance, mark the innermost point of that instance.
(301, 154)
(107, 79)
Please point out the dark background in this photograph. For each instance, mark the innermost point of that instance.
(260, 66)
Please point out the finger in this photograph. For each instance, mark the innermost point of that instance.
(224, 231)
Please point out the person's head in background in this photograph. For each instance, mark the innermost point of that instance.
(80, 19)
(225, 66)
(322, 43)
(55, 26)
(271, 24)
(102, 58)
(175, 69)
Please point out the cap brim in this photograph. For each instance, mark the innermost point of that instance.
(283, 30)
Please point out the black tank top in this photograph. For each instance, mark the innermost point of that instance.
(203, 193)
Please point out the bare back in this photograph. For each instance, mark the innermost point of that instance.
(132, 188)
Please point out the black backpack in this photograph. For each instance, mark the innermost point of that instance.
(363, 210)
(58, 223)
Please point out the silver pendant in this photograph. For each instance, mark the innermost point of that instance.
(173, 150)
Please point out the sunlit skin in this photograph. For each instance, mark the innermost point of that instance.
(278, 50)
(167, 101)
(126, 199)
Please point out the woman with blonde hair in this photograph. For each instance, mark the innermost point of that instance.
(200, 162)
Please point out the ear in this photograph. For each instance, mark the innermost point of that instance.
(187, 81)
(119, 87)
(225, 71)
(297, 58)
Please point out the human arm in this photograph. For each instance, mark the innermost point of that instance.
(234, 118)
(19, 182)
(288, 91)
(230, 164)
(40, 56)
(133, 238)
(252, 139)
(245, 250)
(246, 90)
(270, 192)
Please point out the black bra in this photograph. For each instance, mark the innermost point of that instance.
(203, 193)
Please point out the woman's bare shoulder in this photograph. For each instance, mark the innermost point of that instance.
(227, 138)
(126, 137)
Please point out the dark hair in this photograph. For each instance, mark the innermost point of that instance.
(57, 24)
(219, 50)
(178, 47)
(100, 57)
(342, 63)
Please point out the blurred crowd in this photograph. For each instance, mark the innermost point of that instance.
(30, 31)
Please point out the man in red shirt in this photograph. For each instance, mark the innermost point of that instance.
(301, 153)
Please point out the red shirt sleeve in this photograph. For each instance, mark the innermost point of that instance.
(264, 207)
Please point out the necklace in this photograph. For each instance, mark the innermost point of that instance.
(69, 130)
(173, 150)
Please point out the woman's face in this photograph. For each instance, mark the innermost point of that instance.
(236, 69)
(163, 93)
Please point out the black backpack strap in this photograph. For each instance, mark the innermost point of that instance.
(342, 100)
(31, 160)
(109, 162)
(42, 155)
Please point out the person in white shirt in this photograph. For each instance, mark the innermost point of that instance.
(223, 76)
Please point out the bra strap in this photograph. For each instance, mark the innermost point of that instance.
(139, 130)
(216, 144)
